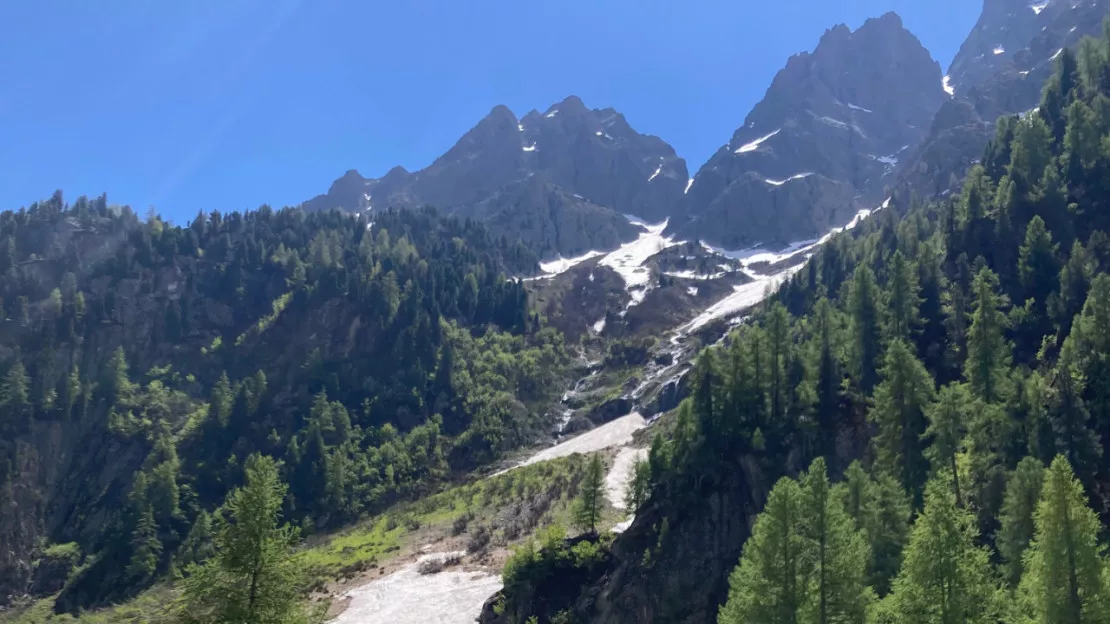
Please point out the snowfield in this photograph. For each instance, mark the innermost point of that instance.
(617, 479)
(408, 597)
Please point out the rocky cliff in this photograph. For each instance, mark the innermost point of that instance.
(558, 180)
(823, 143)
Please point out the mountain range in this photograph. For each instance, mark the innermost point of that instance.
(867, 114)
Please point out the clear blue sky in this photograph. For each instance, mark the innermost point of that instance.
(229, 104)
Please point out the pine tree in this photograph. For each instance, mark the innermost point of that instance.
(767, 586)
(146, 549)
(946, 432)
(1038, 265)
(899, 411)
(945, 578)
(988, 352)
(14, 397)
(828, 380)
(591, 496)
(1016, 530)
(836, 555)
(864, 311)
(639, 485)
(252, 577)
(1064, 580)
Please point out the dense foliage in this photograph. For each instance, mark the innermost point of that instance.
(954, 351)
(142, 363)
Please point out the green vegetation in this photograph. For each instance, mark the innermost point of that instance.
(405, 360)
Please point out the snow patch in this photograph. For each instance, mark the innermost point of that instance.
(1040, 6)
(562, 265)
(552, 114)
(742, 298)
(1058, 53)
(530, 148)
(409, 597)
(754, 145)
(614, 433)
(599, 133)
(600, 325)
(692, 291)
(999, 50)
(658, 170)
(619, 475)
(688, 185)
(799, 176)
(520, 127)
(697, 276)
(859, 108)
(628, 261)
(948, 88)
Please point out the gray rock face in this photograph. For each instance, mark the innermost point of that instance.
(987, 86)
(824, 141)
(559, 180)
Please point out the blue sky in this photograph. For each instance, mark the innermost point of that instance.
(229, 104)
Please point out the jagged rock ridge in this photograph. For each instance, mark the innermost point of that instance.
(559, 180)
(824, 141)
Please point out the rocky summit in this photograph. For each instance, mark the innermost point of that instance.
(822, 143)
(559, 180)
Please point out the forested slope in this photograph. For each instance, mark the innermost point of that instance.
(142, 363)
(933, 367)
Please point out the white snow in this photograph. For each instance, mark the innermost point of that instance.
(754, 145)
(999, 50)
(617, 479)
(600, 325)
(758, 254)
(599, 133)
(1058, 52)
(621, 527)
(658, 170)
(562, 265)
(530, 148)
(552, 114)
(520, 127)
(836, 123)
(688, 185)
(628, 261)
(948, 88)
(742, 298)
(696, 276)
(614, 433)
(1040, 6)
(409, 597)
(692, 291)
(799, 176)
(859, 108)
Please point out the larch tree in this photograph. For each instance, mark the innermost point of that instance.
(946, 432)
(768, 584)
(1065, 573)
(591, 496)
(945, 577)
(1016, 531)
(836, 554)
(900, 402)
(863, 307)
(903, 299)
(988, 352)
(252, 577)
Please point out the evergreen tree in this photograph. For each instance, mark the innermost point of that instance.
(881, 512)
(1038, 266)
(1065, 574)
(768, 585)
(639, 485)
(146, 549)
(945, 578)
(988, 352)
(899, 411)
(864, 310)
(1016, 530)
(946, 432)
(252, 577)
(829, 380)
(903, 299)
(836, 555)
(591, 496)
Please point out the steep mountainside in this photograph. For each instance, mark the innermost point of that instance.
(559, 180)
(142, 363)
(822, 144)
(1000, 70)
